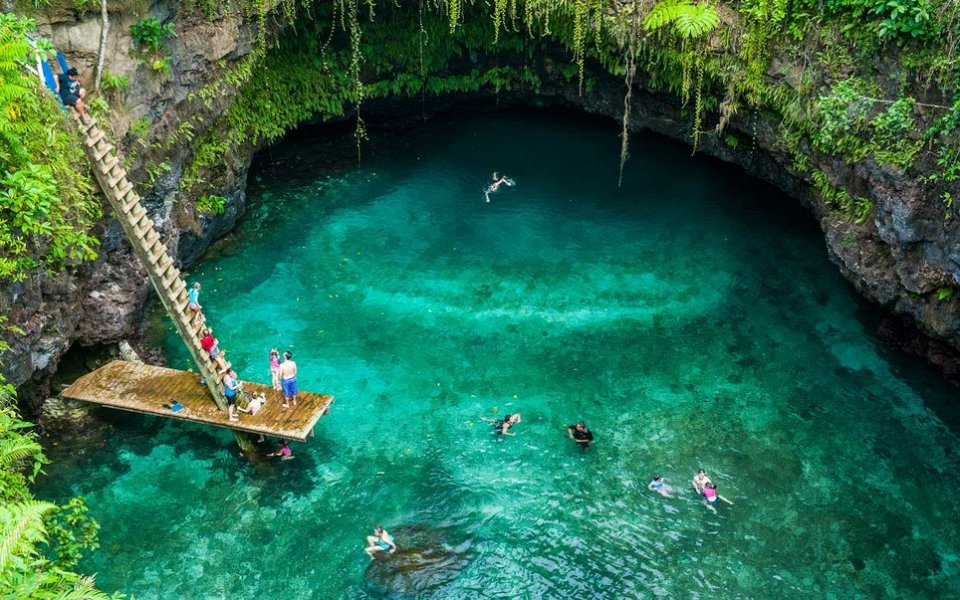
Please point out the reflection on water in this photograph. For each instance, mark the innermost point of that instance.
(690, 318)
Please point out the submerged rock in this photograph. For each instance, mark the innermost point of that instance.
(423, 563)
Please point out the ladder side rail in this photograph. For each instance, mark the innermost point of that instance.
(156, 278)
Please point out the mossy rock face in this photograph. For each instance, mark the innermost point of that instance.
(424, 563)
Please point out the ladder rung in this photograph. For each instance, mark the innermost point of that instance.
(151, 239)
(91, 124)
(221, 371)
(182, 307)
(122, 192)
(109, 164)
(113, 181)
(93, 139)
(136, 215)
(179, 290)
(164, 265)
(161, 250)
(101, 153)
(132, 198)
(142, 227)
(168, 279)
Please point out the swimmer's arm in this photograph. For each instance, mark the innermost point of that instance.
(651, 486)
(488, 419)
(724, 499)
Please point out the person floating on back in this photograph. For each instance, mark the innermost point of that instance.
(497, 182)
(502, 426)
(288, 379)
(72, 93)
(660, 486)
(580, 434)
(231, 387)
(710, 497)
(275, 368)
(380, 541)
(193, 301)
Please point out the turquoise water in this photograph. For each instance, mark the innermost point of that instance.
(691, 318)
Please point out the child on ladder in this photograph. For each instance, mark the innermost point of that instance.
(193, 303)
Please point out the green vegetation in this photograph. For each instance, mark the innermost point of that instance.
(40, 542)
(212, 205)
(150, 35)
(47, 203)
(150, 39)
(810, 68)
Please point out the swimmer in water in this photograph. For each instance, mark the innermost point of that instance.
(502, 426)
(660, 486)
(497, 182)
(710, 497)
(700, 480)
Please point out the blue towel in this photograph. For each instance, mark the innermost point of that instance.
(48, 77)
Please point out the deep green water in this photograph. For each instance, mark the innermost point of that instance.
(691, 318)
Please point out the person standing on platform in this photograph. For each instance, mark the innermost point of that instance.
(275, 368)
(288, 379)
(231, 388)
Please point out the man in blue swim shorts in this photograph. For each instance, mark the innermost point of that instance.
(288, 379)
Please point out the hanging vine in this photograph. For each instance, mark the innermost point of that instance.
(689, 24)
(499, 18)
(581, 13)
(356, 58)
(631, 70)
(454, 13)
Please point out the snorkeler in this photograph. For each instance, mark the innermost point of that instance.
(502, 426)
(660, 486)
(497, 182)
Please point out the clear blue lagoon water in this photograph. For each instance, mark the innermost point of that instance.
(691, 318)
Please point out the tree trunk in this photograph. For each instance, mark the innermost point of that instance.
(104, 27)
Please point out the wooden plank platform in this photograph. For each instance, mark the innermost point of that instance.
(141, 388)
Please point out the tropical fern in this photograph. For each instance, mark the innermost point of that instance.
(22, 528)
(688, 20)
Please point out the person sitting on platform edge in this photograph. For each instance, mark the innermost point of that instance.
(72, 93)
(230, 389)
(288, 379)
(254, 404)
(580, 434)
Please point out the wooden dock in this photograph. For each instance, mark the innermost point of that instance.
(145, 389)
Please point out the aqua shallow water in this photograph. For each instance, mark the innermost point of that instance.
(692, 319)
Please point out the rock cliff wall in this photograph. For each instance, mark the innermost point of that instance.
(104, 301)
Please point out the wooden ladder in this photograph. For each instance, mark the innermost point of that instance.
(151, 251)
